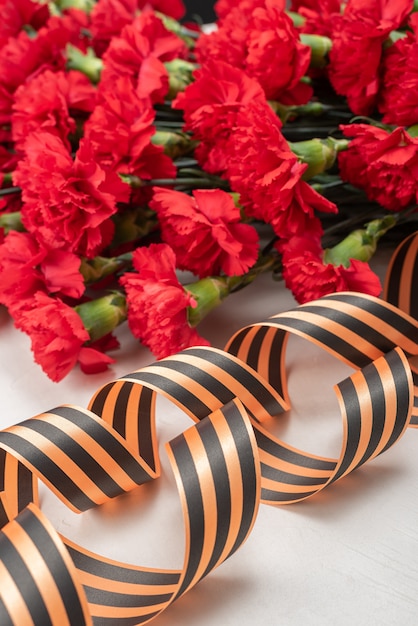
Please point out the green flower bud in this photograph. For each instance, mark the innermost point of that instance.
(98, 268)
(180, 74)
(291, 112)
(413, 130)
(83, 5)
(175, 144)
(11, 221)
(297, 19)
(88, 63)
(103, 315)
(361, 244)
(320, 47)
(319, 154)
(132, 224)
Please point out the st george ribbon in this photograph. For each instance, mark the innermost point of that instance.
(225, 464)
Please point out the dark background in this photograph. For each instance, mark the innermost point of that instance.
(201, 8)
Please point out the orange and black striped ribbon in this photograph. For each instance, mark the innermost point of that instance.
(217, 470)
(225, 464)
(355, 328)
(401, 289)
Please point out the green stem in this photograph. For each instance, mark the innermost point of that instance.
(403, 216)
(192, 172)
(193, 183)
(188, 36)
(363, 119)
(186, 163)
(322, 188)
(360, 244)
(8, 191)
(348, 223)
(316, 109)
(167, 125)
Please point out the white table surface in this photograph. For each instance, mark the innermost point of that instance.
(348, 556)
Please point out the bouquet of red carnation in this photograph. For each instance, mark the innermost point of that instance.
(135, 147)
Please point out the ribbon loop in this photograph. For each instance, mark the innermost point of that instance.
(376, 404)
(80, 457)
(355, 328)
(217, 470)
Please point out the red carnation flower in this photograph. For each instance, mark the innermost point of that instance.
(120, 130)
(219, 90)
(157, 302)
(173, 8)
(74, 25)
(58, 336)
(16, 14)
(271, 36)
(268, 175)
(228, 43)
(49, 101)
(205, 231)
(398, 99)
(67, 204)
(319, 16)
(140, 53)
(109, 17)
(24, 56)
(81, 93)
(41, 104)
(252, 37)
(56, 332)
(210, 105)
(309, 277)
(384, 164)
(356, 50)
(223, 7)
(27, 267)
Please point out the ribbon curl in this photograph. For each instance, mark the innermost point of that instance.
(224, 465)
